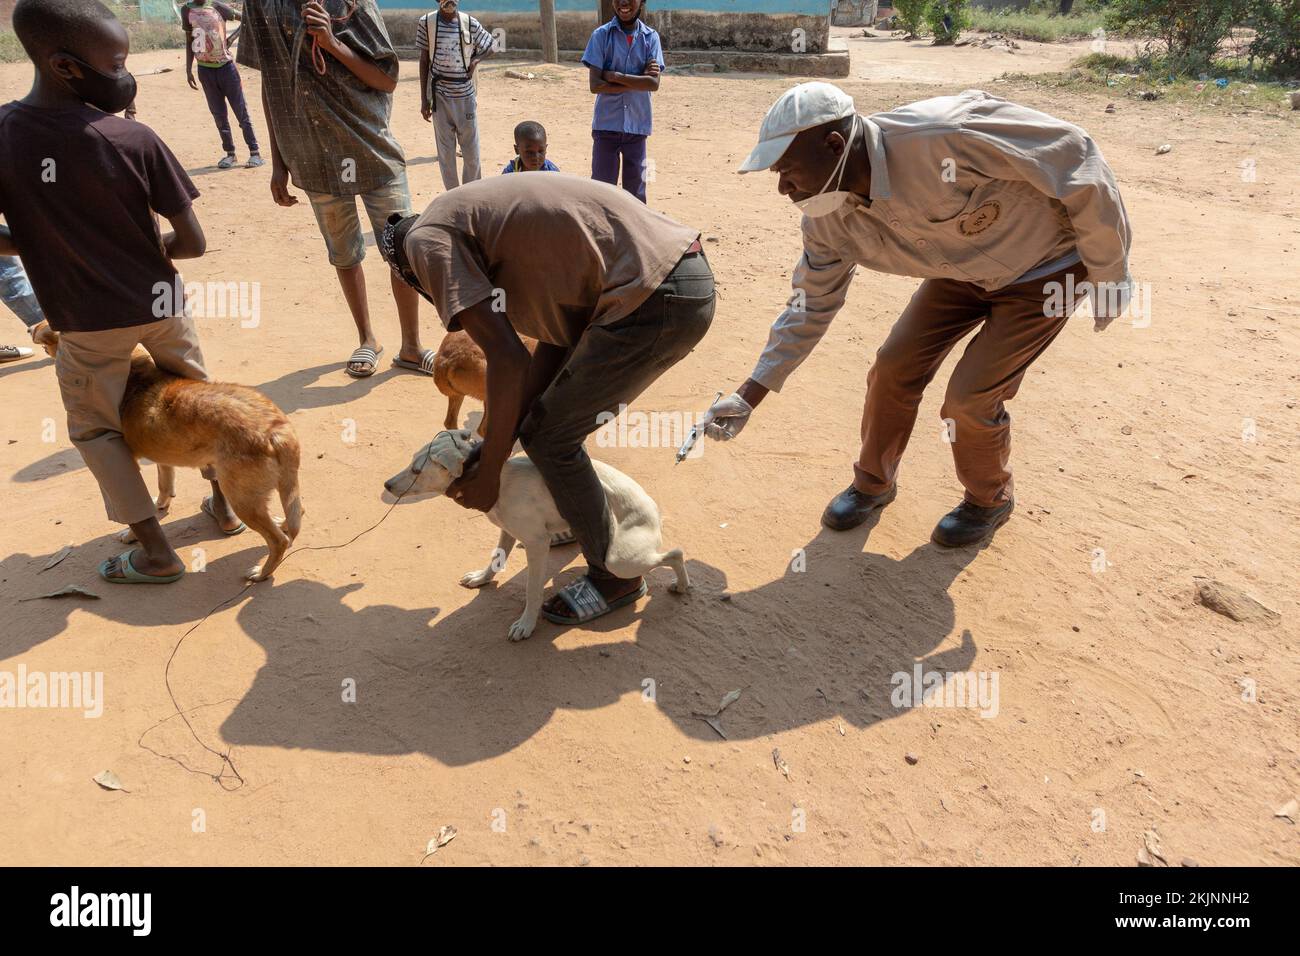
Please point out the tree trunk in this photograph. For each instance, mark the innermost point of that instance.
(550, 49)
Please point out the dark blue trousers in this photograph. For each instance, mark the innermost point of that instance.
(607, 148)
(220, 84)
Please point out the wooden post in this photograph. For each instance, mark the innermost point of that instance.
(550, 47)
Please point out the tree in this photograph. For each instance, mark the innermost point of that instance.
(910, 13)
(946, 18)
(1277, 34)
(1190, 30)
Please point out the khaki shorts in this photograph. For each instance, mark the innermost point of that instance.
(92, 369)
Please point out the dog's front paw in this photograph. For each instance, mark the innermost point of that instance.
(522, 629)
(678, 588)
(476, 579)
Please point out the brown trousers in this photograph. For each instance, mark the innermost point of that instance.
(1016, 331)
(92, 368)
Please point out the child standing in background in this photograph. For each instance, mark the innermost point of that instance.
(625, 59)
(530, 150)
(204, 23)
(451, 45)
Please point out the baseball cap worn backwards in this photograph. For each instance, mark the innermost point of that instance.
(799, 108)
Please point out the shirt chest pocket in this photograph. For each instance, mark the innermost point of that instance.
(985, 209)
(621, 56)
(866, 239)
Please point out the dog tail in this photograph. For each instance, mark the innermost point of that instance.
(288, 453)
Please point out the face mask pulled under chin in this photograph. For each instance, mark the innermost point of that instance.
(826, 202)
(112, 94)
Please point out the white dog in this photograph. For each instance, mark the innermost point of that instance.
(526, 512)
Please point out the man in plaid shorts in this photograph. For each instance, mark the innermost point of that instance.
(330, 133)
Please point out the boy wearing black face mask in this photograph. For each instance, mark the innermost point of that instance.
(80, 189)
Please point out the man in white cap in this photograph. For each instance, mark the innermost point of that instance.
(1009, 215)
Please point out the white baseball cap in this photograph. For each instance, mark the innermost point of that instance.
(799, 108)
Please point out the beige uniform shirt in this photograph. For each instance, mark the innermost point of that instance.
(555, 253)
(967, 187)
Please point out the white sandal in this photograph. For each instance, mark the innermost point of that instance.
(364, 356)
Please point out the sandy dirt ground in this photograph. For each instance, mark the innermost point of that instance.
(1123, 706)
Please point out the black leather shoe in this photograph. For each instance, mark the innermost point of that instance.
(970, 524)
(851, 507)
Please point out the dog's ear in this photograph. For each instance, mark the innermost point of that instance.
(421, 459)
(449, 449)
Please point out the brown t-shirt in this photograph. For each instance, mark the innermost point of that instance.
(555, 253)
(79, 189)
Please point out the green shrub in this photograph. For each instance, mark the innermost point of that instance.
(958, 19)
(1277, 34)
(910, 13)
(1190, 31)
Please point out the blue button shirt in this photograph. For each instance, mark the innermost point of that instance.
(609, 49)
(547, 167)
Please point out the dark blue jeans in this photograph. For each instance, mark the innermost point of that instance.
(220, 84)
(607, 147)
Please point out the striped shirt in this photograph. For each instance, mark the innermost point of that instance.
(447, 64)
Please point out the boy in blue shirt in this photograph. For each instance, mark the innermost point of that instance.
(625, 58)
(530, 150)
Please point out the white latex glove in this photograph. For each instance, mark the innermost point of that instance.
(726, 417)
(1109, 302)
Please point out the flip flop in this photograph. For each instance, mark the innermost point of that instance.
(364, 356)
(129, 574)
(254, 161)
(587, 603)
(227, 162)
(424, 366)
(561, 538)
(206, 508)
(13, 353)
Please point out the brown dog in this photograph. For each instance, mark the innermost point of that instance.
(460, 369)
(236, 431)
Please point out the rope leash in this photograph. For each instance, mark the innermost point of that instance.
(318, 57)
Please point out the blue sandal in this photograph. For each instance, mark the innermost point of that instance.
(129, 575)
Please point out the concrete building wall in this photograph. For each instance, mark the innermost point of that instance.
(766, 26)
(854, 13)
(746, 26)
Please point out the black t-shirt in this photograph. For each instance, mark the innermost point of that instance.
(79, 189)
